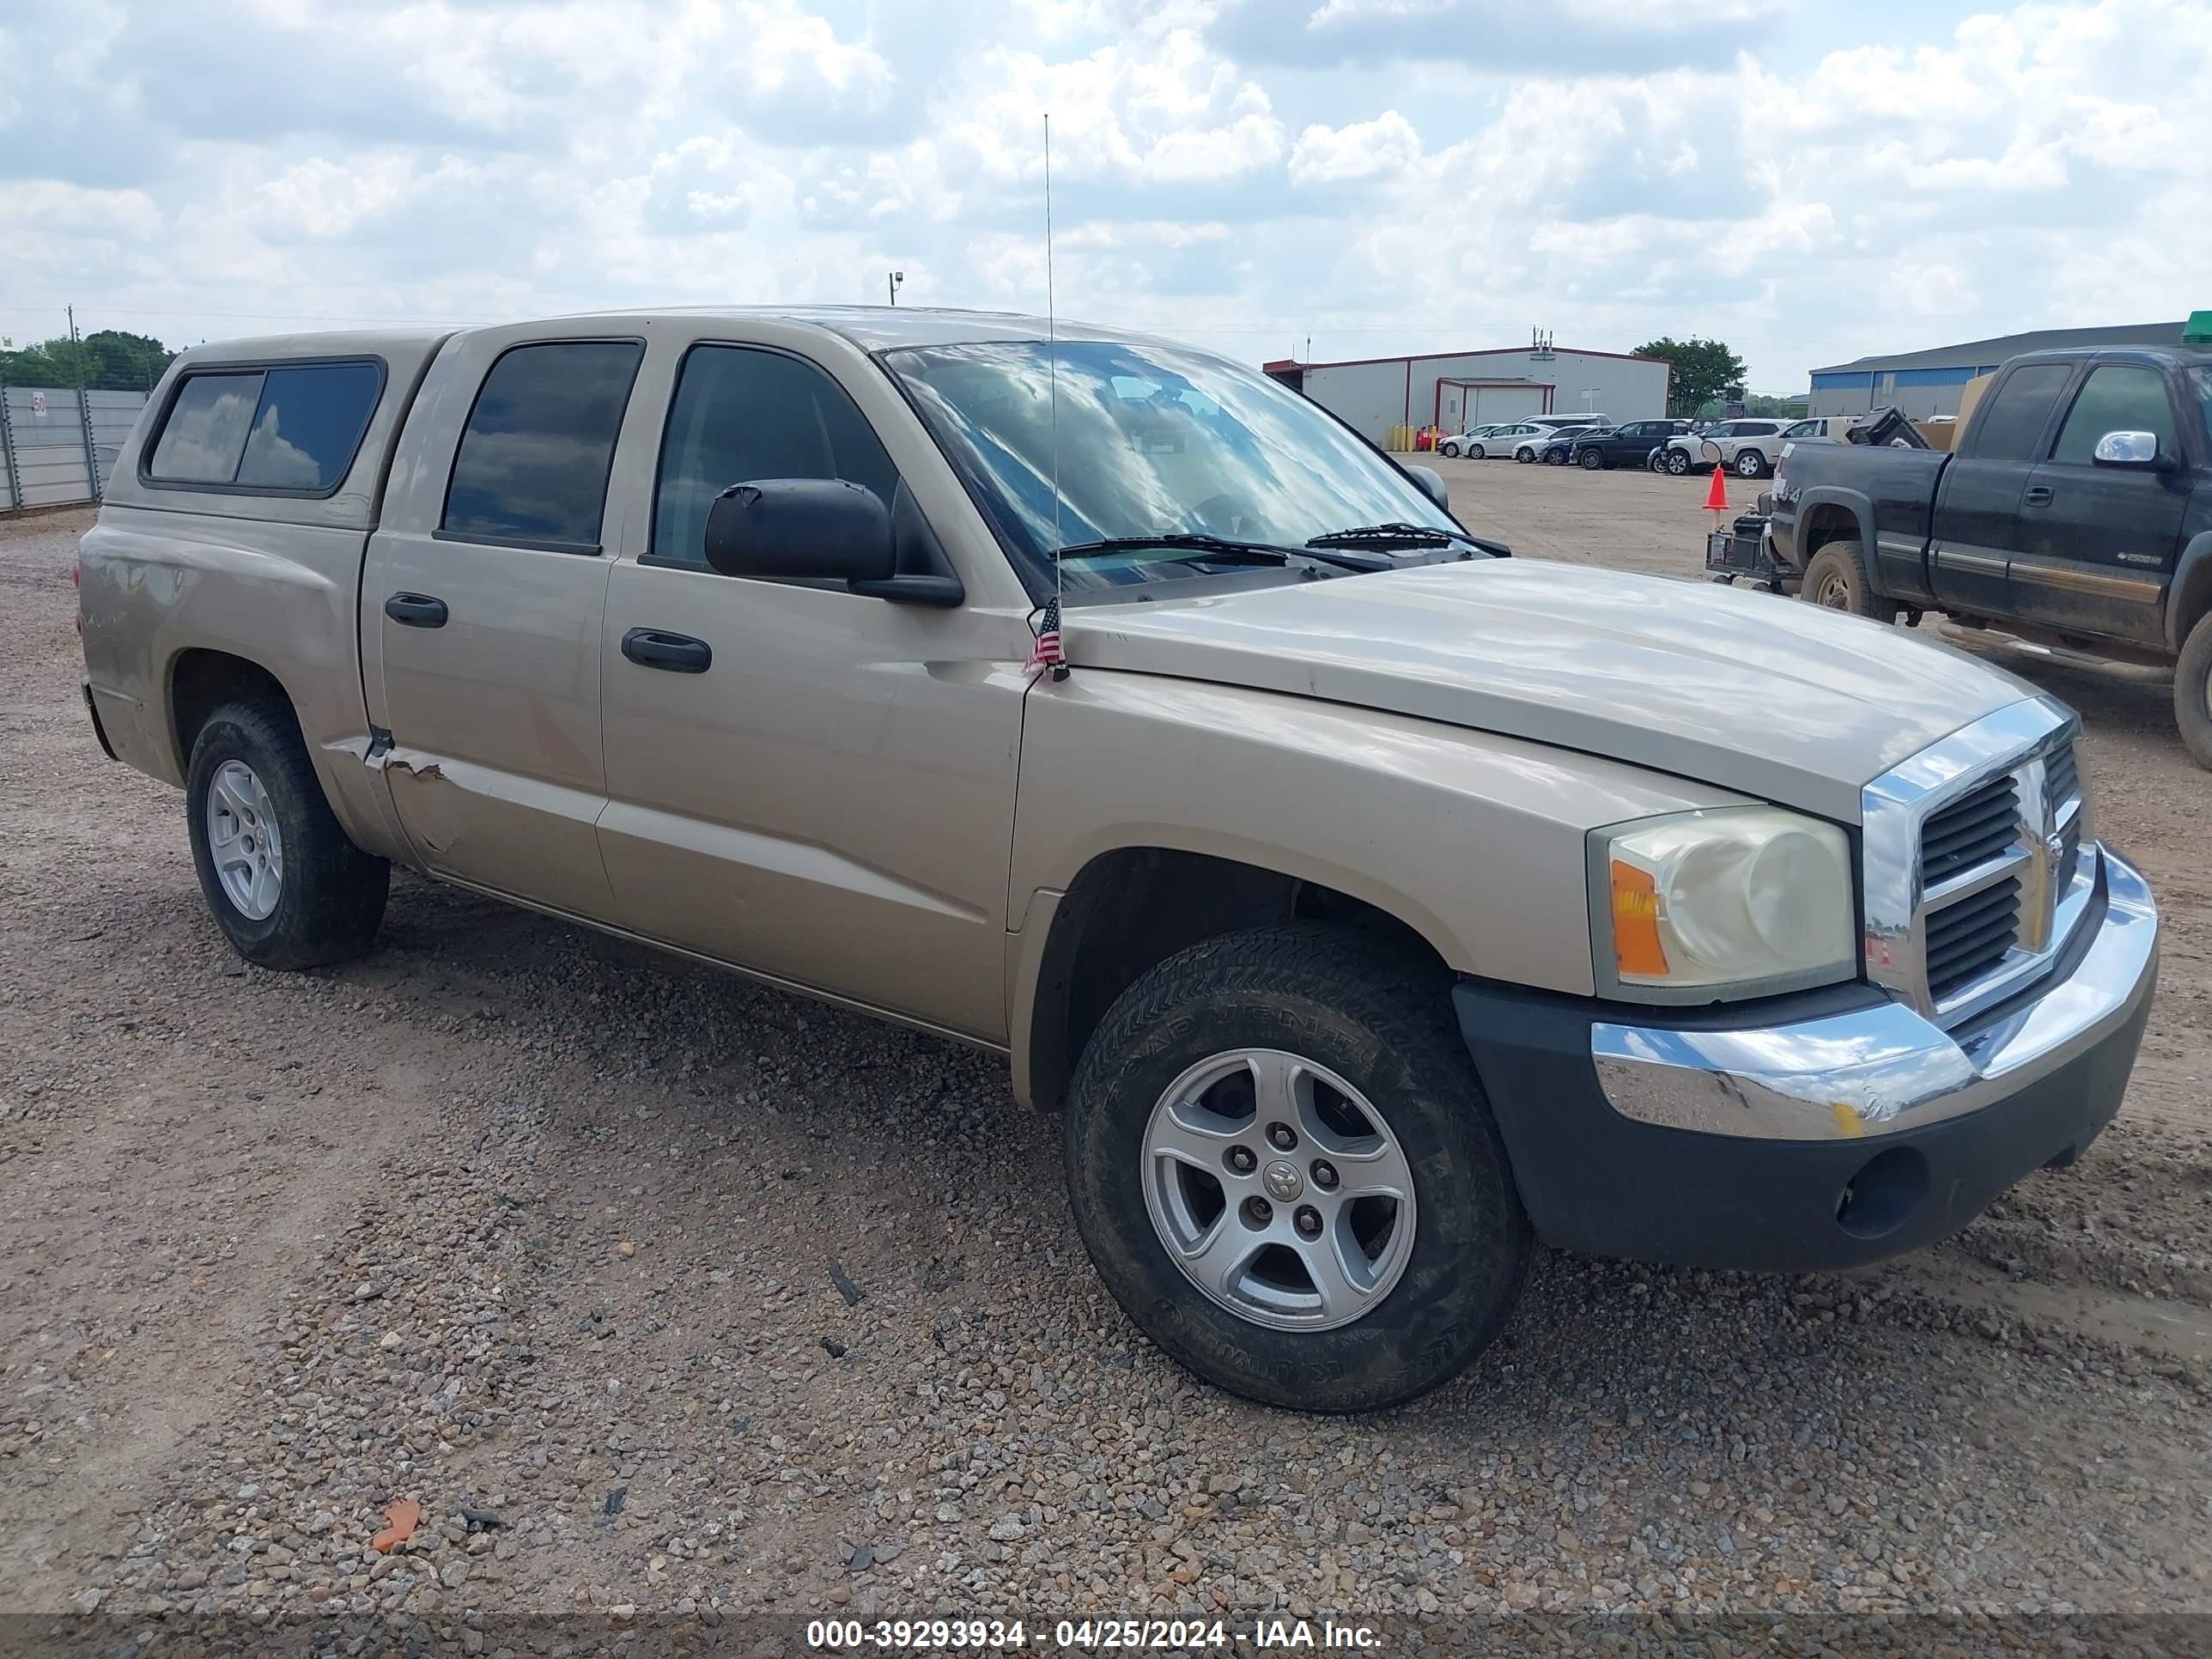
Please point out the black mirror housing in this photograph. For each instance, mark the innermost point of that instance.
(801, 529)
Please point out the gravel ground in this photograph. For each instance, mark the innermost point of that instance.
(681, 1303)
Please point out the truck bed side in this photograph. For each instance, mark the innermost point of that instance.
(192, 595)
(1884, 499)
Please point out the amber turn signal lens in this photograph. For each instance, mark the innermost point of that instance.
(1636, 946)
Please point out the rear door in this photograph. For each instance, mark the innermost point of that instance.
(823, 791)
(486, 592)
(1977, 518)
(2098, 543)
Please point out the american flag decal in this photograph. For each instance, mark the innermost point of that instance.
(1048, 652)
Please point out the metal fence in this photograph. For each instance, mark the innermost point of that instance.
(58, 445)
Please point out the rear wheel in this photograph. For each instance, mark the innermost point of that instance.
(1524, 455)
(1836, 579)
(1750, 464)
(1284, 1168)
(288, 887)
(2192, 692)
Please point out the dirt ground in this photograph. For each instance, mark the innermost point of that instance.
(669, 1297)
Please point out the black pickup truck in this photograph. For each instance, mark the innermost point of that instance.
(2076, 512)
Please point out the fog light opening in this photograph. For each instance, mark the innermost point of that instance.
(1887, 1189)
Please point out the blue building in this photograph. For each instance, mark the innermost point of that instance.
(1928, 383)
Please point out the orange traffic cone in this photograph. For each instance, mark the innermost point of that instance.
(1716, 498)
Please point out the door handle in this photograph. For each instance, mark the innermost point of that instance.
(679, 654)
(416, 610)
(2039, 496)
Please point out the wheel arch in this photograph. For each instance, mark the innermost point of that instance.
(200, 679)
(1131, 907)
(1832, 516)
(2189, 598)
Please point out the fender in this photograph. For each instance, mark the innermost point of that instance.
(2189, 596)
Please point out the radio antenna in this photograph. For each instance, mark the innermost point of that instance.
(1048, 654)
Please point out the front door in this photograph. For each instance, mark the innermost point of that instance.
(1977, 518)
(487, 673)
(2098, 543)
(820, 786)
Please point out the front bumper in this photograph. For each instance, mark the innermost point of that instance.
(1840, 1128)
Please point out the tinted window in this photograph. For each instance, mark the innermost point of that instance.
(308, 426)
(2009, 427)
(277, 429)
(533, 461)
(741, 415)
(207, 429)
(2116, 397)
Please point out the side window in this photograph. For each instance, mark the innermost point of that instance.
(741, 413)
(289, 429)
(2117, 398)
(2010, 427)
(1802, 429)
(532, 466)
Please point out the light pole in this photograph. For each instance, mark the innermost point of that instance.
(895, 279)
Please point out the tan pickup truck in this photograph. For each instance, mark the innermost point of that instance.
(1371, 905)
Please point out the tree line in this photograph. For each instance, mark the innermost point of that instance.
(108, 360)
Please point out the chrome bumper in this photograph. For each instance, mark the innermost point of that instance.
(1881, 1071)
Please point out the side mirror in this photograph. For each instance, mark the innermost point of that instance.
(800, 529)
(1431, 485)
(2128, 449)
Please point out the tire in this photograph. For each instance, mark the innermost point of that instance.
(1749, 463)
(1524, 455)
(2192, 692)
(328, 897)
(1678, 463)
(1380, 1022)
(1478, 453)
(1450, 452)
(1836, 579)
(1592, 460)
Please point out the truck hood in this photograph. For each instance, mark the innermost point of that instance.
(1770, 698)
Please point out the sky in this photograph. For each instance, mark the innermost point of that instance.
(1809, 181)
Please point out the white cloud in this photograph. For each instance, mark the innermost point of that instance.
(1807, 182)
(1367, 149)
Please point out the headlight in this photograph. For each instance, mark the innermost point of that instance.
(1735, 902)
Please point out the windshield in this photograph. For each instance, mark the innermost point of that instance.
(1152, 440)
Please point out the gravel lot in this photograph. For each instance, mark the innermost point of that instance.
(673, 1298)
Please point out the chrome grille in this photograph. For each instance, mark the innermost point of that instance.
(1969, 831)
(1974, 868)
(1968, 938)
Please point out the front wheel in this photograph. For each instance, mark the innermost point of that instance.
(2192, 692)
(1677, 462)
(1450, 452)
(1284, 1168)
(1592, 461)
(288, 887)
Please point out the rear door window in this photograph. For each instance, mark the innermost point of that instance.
(533, 466)
(289, 429)
(2010, 428)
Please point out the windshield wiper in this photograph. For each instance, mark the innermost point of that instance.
(1397, 533)
(1205, 548)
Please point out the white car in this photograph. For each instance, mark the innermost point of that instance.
(1457, 444)
(1748, 448)
(1500, 441)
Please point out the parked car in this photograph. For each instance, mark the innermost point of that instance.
(2074, 513)
(1561, 448)
(1586, 417)
(1748, 447)
(1369, 906)
(1628, 444)
(1455, 444)
(1818, 428)
(1528, 447)
(1502, 440)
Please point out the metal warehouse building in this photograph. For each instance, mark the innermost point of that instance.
(1457, 389)
(1928, 383)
